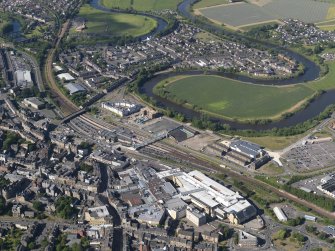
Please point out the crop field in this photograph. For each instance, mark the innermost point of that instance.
(208, 3)
(236, 100)
(257, 11)
(107, 24)
(142, 5)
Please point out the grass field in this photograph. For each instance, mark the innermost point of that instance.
(327, 82)
(270, 169)
(236, 100)
(208, 3)
(142, 5)
(104, 23)
(275, 143)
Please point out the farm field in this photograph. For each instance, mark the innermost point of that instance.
(236, 100)
(107, 24)
(142, 5)
(254, 12)
(208, 3)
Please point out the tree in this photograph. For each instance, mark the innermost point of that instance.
(64, 208)
(295, 222)
(282, 234)
(299, 237)
(311, 229)
(37, 205)
(2, 205)
(31, 245)
(3, 182)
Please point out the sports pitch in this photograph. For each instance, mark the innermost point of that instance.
(256, 11)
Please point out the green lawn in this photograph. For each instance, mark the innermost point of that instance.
(142, 5)
(104, 23)
(208, 3)
(236, 100)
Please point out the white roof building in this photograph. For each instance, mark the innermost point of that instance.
(280, 214)
(23, 78)
(67, 77)
(210, 195)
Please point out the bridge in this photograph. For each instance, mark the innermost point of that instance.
(156, 138)
(73, 115)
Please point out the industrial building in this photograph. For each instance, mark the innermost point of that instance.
(66, 77)
(23, 78)
(279, 214)
(34, 102)
(75, 88)
(327, 185)
(249, 149)
(240, 152)
(122, 109)
(211, 197)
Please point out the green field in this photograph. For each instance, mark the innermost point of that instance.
(327, 82)
(107, 24)
(208, 3)
(233, 99)
(142, 5)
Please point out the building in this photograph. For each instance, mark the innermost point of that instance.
(16, 210)
(122, 109)
(75, 88)
(247, 148)
(176, 208)
(310, 217)
(66, 77)
(208, 195)
(149, 213)
(98, 215)
(34, 102)
(23, 78)
(327, 186)
(58, 69)
(279, 214)
(195, 216)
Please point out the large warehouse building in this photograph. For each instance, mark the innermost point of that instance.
(23, 78)
(213, 198)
